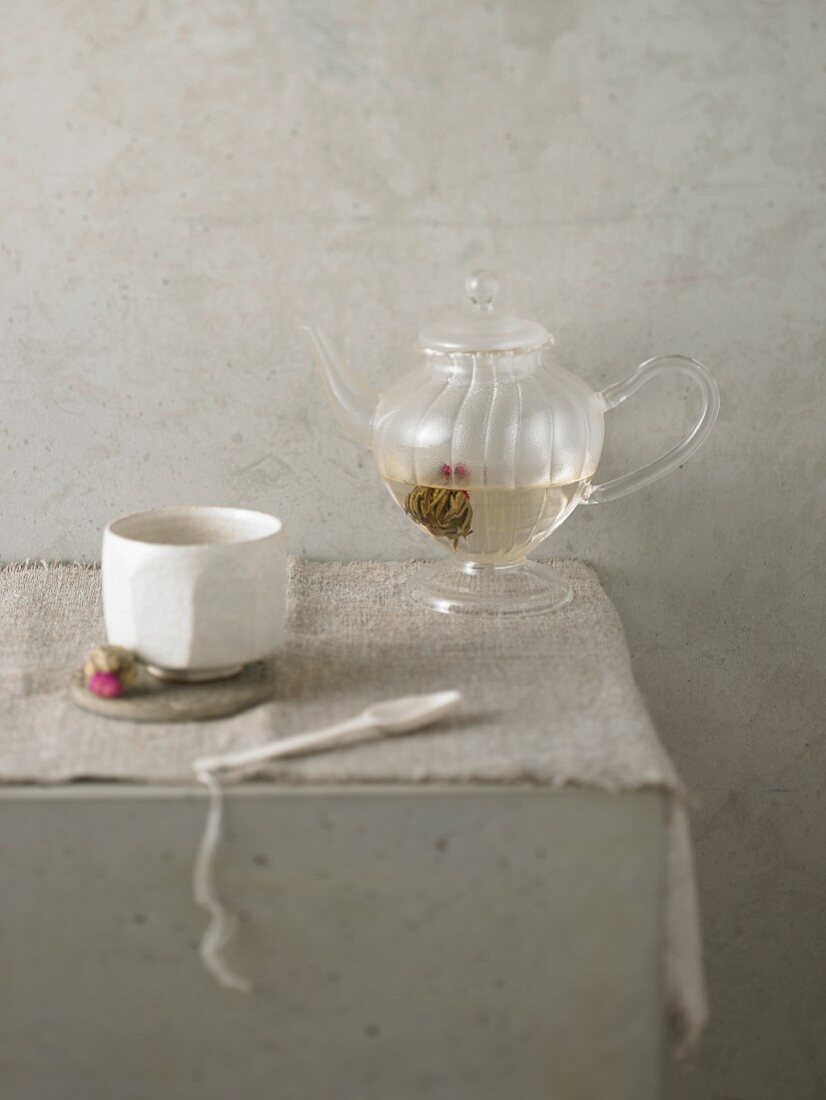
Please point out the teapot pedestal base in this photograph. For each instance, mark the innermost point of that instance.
(455, 587)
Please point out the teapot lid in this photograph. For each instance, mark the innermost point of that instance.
(480, 327)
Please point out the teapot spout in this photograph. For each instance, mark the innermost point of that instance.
(352, 400)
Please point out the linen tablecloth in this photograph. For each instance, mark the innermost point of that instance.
(549, 700)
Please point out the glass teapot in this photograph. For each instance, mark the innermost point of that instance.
(488, 446)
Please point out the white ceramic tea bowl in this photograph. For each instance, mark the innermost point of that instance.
(195, 592)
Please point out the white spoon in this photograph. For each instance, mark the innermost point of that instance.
(396, 716)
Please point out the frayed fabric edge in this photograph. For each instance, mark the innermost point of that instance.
(34, 564)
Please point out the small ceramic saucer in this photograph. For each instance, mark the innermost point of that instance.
(152, 700)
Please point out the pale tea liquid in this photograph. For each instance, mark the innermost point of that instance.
(506, 523)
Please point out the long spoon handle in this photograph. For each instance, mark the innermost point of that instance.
(286, 746)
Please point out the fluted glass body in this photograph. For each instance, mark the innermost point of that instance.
(488, 452)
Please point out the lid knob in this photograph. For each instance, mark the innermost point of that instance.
(478, 327)
(481, 287)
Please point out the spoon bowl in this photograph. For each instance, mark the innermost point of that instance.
(412, 711)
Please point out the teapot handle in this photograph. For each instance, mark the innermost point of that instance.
(616, 394)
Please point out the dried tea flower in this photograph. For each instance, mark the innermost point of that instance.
(111, 660)
(444, 513)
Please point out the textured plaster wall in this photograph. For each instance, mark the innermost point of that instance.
(183, 183)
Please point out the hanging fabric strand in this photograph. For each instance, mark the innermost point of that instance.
(222, 923)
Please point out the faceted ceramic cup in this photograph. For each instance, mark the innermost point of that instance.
(196, 593)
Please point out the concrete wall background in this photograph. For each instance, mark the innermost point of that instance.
(183, 183)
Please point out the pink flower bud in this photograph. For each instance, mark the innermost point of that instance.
(105, 684)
